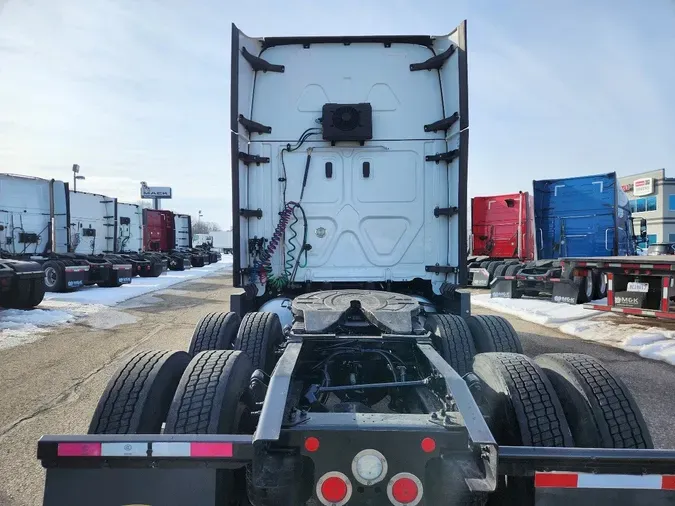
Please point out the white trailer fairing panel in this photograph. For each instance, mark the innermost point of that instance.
(183, 227)
(92, 223)
(377, 210)
(33, 215)
(129, 228)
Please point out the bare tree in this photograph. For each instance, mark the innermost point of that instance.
(204, 227)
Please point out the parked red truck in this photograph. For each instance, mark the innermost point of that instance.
(170, 233)
(502, 235)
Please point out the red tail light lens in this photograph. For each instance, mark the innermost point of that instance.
(404, 489)
(333, 489)
(312, 444)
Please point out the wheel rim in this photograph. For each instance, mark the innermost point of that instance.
(50, 277)
(589, 286)
(603, 284)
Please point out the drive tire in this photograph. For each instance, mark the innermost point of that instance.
(258, 336)
(210, 399)
(492, 267)
(215, 331)
(513, 269)
(453, 340)
(494, 334)
(137, 398)
(523, 410)
(55, 276)
(500, 270)
(600, 409)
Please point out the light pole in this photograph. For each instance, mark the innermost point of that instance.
(76, 176)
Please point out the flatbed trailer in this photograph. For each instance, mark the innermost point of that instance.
(636, 285)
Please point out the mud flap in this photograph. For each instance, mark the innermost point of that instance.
(179, 263)
(639, 300)
(504, 288)
(595, 497)
(113, 487)
(481, 277)
(121, 274)
(6, 275)
(76, 276)
(567, 291)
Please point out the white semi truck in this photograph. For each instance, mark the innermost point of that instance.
(349, 370)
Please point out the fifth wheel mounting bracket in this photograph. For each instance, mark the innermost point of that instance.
(257, 63)
(253, 127)
(248, 159)
(435, 62)
(443, 157)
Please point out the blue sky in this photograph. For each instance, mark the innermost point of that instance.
(139, 90)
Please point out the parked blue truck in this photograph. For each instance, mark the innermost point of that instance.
(586, 216)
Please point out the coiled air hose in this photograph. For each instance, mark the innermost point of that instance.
(262, 268)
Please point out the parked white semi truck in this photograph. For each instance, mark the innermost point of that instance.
(349, 370)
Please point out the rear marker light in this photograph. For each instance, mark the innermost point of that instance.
(311, 444)
(334, 489)
(78, 450)
(211, 449)
(428, 445)
(369, 467)
(405, 489)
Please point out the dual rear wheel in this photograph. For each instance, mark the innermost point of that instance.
(555, 400)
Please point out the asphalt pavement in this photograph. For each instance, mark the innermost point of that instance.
(52, 386)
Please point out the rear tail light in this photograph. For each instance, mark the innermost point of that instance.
(369, 467)
(404, 489)
(334, 489)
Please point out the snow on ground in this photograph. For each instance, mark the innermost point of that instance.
(138, 286)
(92, 306)
(639, 336)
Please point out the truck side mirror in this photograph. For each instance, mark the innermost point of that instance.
(643, 228)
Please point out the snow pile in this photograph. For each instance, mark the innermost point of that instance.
(22, 327)
(539, 311)
(91, 306)
(637, 337)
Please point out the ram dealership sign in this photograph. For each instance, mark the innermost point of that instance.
(155, 192)
(643, 187)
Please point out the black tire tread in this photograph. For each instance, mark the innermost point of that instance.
(215, 331)
(500, 270)
(196, 408)
(540, 417)
(618, 420)
(255, 336)
(456, 343)
(494, 334)
(513, 269)
(121, 406)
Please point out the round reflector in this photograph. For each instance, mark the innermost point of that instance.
(334, 489)
(404, 489)
(369, 467)
(428, 445)
(311, 444)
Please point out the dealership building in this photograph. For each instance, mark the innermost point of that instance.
(652, 196)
